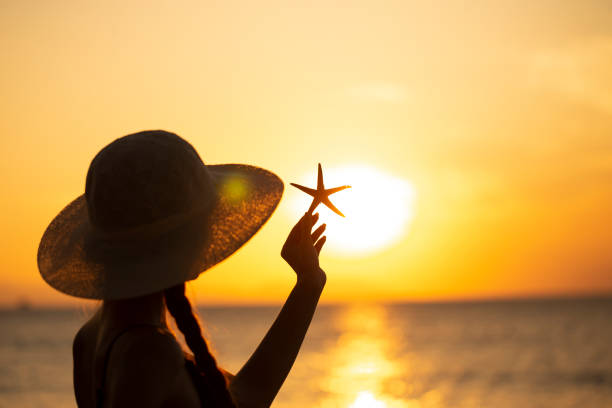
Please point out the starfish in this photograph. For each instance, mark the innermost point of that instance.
(321, 195)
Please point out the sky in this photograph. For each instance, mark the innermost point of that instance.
(494, 117)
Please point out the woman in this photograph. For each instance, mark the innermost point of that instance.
(153, 216)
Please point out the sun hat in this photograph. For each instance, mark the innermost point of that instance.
(153, 215)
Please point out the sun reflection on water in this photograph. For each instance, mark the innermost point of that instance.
(363, 370)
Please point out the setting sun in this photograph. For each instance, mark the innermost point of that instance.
(366, 399)
(378, 208)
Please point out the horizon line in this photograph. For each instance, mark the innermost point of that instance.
(24, 305)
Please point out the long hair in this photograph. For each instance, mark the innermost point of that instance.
(180, 308)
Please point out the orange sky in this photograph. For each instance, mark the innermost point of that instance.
(499, 116)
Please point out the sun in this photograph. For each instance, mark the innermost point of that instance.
(378, 208)
(366, 399)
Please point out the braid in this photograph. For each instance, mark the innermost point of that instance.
(180, 308)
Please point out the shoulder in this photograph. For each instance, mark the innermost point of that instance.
(82, 336)
(82, 357)
(84, 342)
(144, 366)
(79, 341)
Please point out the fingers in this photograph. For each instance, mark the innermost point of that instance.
(304, 227)
(309, 221)
(319, 244)
(318, 232)
(313, 219)
(299, 228)
(304, 219)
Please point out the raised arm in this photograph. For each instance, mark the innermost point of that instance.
(258, 382)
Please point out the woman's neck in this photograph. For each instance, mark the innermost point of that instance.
(149, 309)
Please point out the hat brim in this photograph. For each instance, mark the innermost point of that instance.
(75, 260)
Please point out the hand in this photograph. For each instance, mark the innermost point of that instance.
(302, 248)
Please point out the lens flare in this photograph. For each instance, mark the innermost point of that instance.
(235, 189)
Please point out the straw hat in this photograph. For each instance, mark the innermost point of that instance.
(153, 216)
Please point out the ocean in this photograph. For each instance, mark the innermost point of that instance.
(548, 353)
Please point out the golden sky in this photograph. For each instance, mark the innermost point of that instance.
(498, 114)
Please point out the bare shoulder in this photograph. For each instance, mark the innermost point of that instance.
(78, 342)
(82, 347)
(83, 337)
(82, 356)
(144, 367)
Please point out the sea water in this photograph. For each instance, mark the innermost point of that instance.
(549, 353)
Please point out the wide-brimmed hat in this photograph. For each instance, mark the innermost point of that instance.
(153, 215)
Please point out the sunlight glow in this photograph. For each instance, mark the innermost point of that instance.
(365, 399)
(378, 208)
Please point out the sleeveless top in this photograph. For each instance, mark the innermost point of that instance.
(190, 364)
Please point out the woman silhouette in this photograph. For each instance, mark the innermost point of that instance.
(153, 216)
